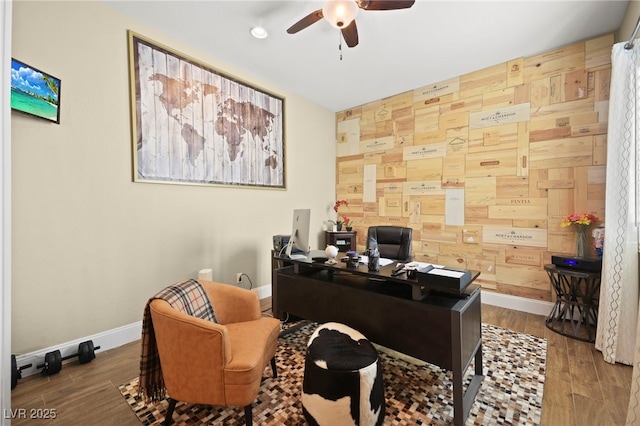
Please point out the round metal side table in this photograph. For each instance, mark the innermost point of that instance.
(575, 313)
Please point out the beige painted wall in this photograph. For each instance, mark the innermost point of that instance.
(90, 246)
(629, 22)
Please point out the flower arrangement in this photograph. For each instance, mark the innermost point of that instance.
(339, 203)
(345, 220)
(580, 219)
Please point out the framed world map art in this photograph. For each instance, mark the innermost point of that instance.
(192, 124)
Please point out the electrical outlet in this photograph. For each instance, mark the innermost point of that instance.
(238, 277)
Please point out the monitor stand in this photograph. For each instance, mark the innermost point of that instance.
(297, 256)
(294, 253)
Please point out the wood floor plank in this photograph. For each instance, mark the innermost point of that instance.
(618, 375)
(517, 321)
(558, 363)
(557, 403)
(580, 388)
(102, 398)
(584, 379)
(616, 405)
(535, 325)
(579, 349)
(591, 412)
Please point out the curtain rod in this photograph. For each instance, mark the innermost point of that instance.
(629, 45)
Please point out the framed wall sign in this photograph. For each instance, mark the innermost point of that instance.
(192, 124)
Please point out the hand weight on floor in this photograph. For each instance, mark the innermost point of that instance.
(16, 372)
(53, 360)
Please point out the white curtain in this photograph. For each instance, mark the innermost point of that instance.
(618, 313)
(618, 335)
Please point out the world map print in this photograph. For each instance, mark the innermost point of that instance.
(196, 125)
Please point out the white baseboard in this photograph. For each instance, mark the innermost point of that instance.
(128, 333)
(523, 304)
(106, 340)
(263, 291)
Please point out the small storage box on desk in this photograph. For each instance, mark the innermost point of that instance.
(448, 280)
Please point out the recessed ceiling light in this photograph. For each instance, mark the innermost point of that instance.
(259, 32)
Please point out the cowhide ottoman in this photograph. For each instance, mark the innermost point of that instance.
(342, 379)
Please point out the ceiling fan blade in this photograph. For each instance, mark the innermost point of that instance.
(385, 4)
(311, 18)
(350, 34)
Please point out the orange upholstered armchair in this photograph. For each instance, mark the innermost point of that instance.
(210, 363)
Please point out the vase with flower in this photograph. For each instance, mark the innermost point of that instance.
(339, 221)
(582, 221)
(348, 223)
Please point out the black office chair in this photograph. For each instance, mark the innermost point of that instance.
(393, 242)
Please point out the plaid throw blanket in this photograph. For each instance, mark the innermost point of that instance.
(188, 297)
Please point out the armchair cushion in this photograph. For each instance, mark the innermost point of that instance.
(233, 304)
(243, 374)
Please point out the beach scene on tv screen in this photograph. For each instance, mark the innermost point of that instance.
(34, 92)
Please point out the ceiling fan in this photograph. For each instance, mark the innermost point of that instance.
(341, 14)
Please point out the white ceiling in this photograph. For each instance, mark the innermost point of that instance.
(399, 50)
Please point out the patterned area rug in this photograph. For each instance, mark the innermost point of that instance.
(416, 393)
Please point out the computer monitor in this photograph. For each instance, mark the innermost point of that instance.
(299, 233)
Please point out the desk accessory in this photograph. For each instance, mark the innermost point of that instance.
(331, 252)
(373, 260)
(444, 278)
(399, 267)
(280, 242)
(577, 263)
(352, 259)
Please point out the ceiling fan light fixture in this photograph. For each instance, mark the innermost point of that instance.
(340, 13)
(259, 32)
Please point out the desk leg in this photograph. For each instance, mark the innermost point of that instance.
(476, 381)
(458, 397)
(463, 401)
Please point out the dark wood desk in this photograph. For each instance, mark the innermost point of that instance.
(441, 329)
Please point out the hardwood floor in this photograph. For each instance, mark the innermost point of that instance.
(580, 388)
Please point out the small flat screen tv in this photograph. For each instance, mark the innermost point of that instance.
(35, 92)
(299, 240)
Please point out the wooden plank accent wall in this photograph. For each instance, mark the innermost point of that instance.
(523, 143)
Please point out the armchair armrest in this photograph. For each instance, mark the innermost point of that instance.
(232, 304)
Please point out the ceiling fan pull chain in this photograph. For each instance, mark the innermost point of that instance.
(340, 44)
